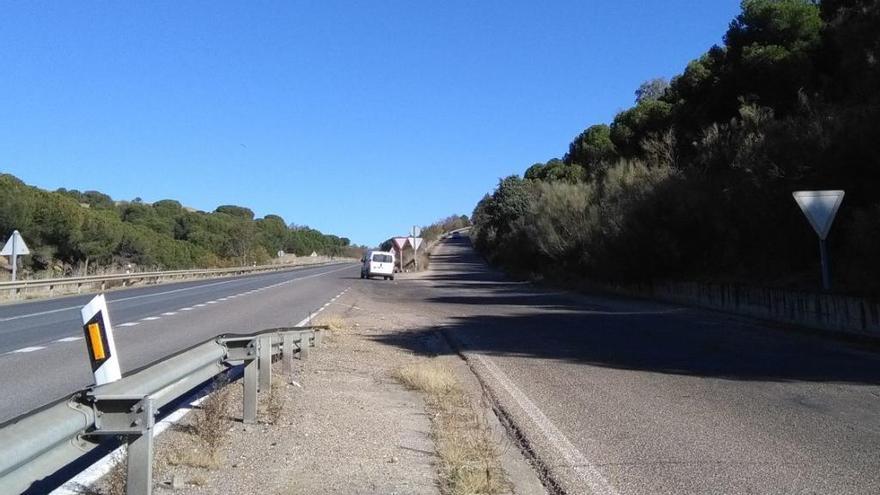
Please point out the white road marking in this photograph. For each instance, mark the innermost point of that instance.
(174, 291)
(129, 324)
(69, 339)
(151, 318)
(575, 460)
(212, 302)
(28, 349)
(188, 308)
(169, 313)
(200, 305)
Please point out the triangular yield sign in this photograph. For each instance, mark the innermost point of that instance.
(399, 242)
(15, 245)
(819, 207)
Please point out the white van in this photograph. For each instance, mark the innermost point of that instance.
(378, 263)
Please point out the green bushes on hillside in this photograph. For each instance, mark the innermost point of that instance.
(695, 180)
(70, 230)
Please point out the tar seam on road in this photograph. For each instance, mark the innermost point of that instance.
(577, 461)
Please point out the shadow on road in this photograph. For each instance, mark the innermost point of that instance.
(496, 317)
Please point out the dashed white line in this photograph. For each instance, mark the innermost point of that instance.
(200, 305)
(69, 339)
(188, 308)
(129, 324)
(151, 318)
(212, 302)
(28, 349)
(169, 313)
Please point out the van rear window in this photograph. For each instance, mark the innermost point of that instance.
(382, 258)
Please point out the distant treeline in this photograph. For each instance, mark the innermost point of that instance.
(694, 181)
(69, 229)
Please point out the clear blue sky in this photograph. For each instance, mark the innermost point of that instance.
(356, 118)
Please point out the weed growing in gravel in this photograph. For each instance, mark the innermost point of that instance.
(469, 462)
(210, 423)
(207, 431)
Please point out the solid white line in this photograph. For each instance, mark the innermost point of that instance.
(129, 324)
(69, 339)
(574, 459)
(28, 349)
(169, 313)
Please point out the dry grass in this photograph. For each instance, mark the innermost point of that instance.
(206, 433)
(335, 323)
(195, 456)
(469, 461)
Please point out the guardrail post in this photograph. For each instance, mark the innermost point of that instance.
(132, 417)
(249, 405)
(264, 356)
(140, 456)
(318, 333)
(304, 346)
(287, 355)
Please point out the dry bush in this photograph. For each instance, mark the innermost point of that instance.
(210, 422)
(469, 460)
(200, 447)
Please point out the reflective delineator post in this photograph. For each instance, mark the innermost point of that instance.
(99, 341)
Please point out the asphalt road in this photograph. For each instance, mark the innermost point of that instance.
(616, 395)
(43, 356)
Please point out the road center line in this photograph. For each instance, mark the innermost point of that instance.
(575, 460)
(113, 301)
(69, 339)
(28, 349)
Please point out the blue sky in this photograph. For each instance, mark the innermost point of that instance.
(356, 118)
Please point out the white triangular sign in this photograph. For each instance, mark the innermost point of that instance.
(399, 242)
(415, 242)
(819, 207)
(15, 246)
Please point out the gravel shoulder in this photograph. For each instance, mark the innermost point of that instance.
(346, 425)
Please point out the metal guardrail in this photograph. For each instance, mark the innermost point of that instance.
(19, 286)
(36, 445)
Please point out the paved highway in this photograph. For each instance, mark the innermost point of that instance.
(619, 396)
(43, 355)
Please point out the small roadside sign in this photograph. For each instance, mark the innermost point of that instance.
(14, 248)
(99, 341)
(820, 208)
(415, 242)
(399, 242)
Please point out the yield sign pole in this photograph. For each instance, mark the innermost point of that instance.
(820, 208)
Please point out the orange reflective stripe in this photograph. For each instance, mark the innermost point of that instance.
(96, 342)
